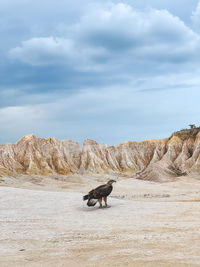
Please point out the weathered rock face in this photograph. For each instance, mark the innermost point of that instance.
(156, 160)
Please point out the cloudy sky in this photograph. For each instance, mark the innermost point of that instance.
(106, 70)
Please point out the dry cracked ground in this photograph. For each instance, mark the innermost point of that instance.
(44, 222)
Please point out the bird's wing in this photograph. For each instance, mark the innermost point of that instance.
(98, 188)
(101, 191)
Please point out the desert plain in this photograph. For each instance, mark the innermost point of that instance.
(45, 222)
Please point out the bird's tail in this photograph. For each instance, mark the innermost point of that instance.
(92, 202)
(85, 197)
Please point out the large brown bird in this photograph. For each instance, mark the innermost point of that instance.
(98, 193)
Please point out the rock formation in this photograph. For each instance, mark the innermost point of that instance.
(154, 160)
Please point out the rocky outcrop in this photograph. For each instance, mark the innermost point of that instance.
(154, 160)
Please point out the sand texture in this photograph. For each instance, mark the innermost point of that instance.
(147, 224)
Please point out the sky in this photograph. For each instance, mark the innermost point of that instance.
(112, 71)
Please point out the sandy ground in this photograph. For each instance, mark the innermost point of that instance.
(44, 222)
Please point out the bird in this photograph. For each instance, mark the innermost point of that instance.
(98, 193)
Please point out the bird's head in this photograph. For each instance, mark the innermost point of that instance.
(111, 182)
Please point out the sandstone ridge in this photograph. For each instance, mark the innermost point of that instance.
(154, 160)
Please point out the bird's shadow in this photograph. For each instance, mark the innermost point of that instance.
(90, 209)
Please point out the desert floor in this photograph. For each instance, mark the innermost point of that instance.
(44, 222)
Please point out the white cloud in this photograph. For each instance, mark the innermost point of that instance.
(196, 17)
(115, 35)
(44, 51)
(133, 35)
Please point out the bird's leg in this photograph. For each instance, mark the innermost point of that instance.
(100, 202)
(105, 200)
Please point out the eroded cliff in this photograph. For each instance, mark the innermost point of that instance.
(156, 160)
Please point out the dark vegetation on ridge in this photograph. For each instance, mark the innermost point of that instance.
(185, 134)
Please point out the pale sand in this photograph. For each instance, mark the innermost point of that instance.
(147, 224)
